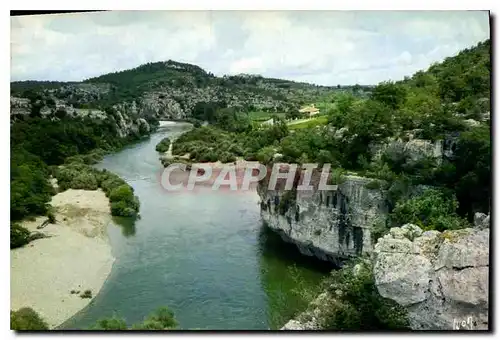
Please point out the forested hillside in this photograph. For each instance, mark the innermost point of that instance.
(171, 89)
(390, 136)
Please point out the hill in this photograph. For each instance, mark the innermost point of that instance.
(172, 90)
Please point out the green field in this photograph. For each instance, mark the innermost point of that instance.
(320, 120)
(260, 116)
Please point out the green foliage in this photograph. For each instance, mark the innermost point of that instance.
(378, 230)
(337, 176)
(19, 236)
(210, 144)
(26, 319)
(265, 155)
(121, 193)
(359, 305)
(111, 324)
(82, 176)
(431, 210)
(162, 319)
(287, 200)
(30, 190)
(37, 142)
(163, 145)
(318, 121)
(87, 294)
(391, 94)
(373, 185)
(51, 215)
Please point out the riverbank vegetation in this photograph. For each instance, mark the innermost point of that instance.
(26, 319)
(40, 145)
(163, 145)
(357, 303)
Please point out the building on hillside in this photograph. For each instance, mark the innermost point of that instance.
(310, 110)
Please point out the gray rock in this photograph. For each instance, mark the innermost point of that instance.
(443, 282)
(342, 217)
(481, 220)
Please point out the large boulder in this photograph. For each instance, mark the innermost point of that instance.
(441, 278)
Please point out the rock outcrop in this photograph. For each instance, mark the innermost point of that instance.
(331, 225)
(441, 278)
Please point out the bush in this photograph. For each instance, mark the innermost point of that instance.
(431, 210)
(378, 230)
(359, 305)
(162, 319)
(51, 215)
(337, 176)
(111, 324)
(110, 183)
(87, 294)
(84, 180)
(265, 155)
(19, 236)
(163, 145)
(26, 319)
(125, 209)
(373, 185)
(122, 193)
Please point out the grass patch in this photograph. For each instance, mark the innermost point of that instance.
(318, 121)
(260, 116)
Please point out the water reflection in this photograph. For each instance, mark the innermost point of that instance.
(289, 278)
(127, 224)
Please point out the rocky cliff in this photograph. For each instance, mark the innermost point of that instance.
(126, 119)
(441, 278)
(331, 225)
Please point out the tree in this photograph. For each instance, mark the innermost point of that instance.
(26, 319)
(391, 94)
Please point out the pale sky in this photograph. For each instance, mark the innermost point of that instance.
(321, 47)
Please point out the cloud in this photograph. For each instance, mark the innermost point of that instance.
(324, 47)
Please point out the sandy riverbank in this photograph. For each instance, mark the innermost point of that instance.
(77, 256)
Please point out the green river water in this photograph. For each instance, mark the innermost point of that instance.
(205, 254)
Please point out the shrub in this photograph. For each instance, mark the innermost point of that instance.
(87, 294)
(226, 157)
(431, 210)
(163, 145)
(378, 230)
(111, 324)
(51, 215)
(373, 185)
(84, 180)
(26, 319)
(122, 193)
(359, 305)
(265, 155)
(163, 318)
(125, 209)
(111, 183)
(19, 236)
(337, 176)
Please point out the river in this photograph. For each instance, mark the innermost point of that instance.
(205, 255)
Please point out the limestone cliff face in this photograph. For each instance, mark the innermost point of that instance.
(128, 119)
(331, 225)
(441, 278)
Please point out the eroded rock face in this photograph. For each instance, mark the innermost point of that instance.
(331, 225)
(441, 278)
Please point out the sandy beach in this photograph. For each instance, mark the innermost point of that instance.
(77, 256)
